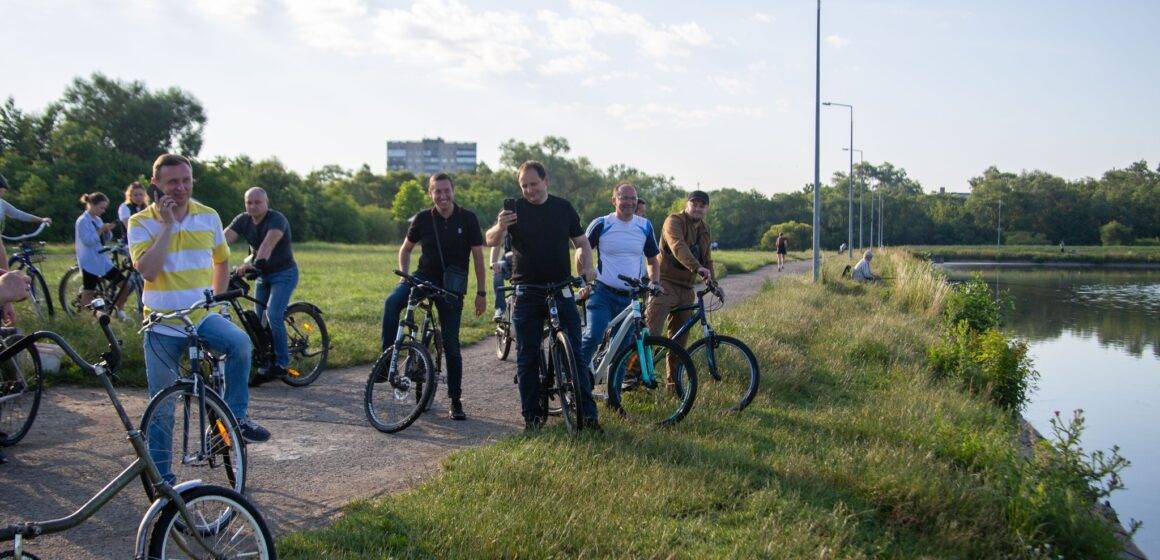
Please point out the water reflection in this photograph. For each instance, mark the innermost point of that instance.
(1118, 308)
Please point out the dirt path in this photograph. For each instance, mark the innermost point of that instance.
(322, 455)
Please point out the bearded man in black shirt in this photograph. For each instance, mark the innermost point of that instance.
(543, 229)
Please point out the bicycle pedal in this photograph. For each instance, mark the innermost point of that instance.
(291, 372)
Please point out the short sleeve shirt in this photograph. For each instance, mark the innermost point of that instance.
(282, 257)
(541, 240)
(620, 246)
(457, 235)
(196, 243)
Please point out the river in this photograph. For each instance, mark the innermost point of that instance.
(1094, 334)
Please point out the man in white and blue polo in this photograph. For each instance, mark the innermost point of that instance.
(621, 239)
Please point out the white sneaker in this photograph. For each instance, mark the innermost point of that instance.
(120, 315)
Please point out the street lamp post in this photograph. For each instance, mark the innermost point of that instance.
(999, 226)
(861, 188)
(849, 183)
(817, 150)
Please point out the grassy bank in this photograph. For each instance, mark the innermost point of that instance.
(349, 283)
(851, 450)
(1040, 253)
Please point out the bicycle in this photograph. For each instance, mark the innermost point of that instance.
(503, 329)
(729, 362)
(71, 284)
(21, 384)
(629, 350)
(405, 378)
(304, 326)
(208, 445)
(198, 520)
(25, 259)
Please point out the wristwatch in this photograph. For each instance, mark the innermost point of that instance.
(481, 293)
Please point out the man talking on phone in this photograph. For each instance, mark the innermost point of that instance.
(542, 226)
(178, 246)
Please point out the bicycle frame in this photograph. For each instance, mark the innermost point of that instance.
(627, 322)
(143, 465)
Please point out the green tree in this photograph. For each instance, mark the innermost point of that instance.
(799, 236)
(410, 200)
(1115, 233)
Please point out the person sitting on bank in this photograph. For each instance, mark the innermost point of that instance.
(862, 272)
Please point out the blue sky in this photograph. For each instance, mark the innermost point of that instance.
(717, 94)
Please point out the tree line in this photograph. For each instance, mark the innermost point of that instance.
(104, 133)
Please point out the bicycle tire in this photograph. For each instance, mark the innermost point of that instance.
(226, 462)
(39, 297)
(232, 519)
(23, 555)
(563, 361)
(27, 375)
(722, 386)
(68, 296)
(503, 341)
(304, 324)
(662, 405)
(399, 404)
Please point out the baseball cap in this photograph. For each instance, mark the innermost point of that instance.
(699, 195)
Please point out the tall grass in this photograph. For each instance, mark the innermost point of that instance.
(851, 450)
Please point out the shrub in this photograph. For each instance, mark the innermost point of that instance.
(1115, 233)
(985, 363)
(1025, 238)
(800, 236)
(972, 302)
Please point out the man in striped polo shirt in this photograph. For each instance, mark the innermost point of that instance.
(178, 246)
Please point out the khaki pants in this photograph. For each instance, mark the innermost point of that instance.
(658, 311)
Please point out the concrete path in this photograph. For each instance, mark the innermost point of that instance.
(323, 453)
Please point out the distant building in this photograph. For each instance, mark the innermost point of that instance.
(963, 195)
(430, 155)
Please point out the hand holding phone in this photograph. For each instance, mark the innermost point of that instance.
(508, 216)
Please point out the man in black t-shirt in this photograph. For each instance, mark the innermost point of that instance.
(268, 234)
(543, 228)
(446, 232)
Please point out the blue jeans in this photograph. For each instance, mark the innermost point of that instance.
(528, 321)
(450, 315)
(602, 306)
(273, 294)
(163, 356)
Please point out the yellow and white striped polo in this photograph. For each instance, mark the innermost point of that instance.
(195, 244)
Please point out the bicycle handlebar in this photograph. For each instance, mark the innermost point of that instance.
(419, 283)
(211, 300)
(35, 233)
(639, 286)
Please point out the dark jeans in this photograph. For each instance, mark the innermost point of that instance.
(450, 314)
(273, 294)
(531, 310)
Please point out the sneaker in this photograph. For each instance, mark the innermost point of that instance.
(533, 425)
(252, 432)
(594, 425)
(630, 383)
(277, 372)
(456, 412)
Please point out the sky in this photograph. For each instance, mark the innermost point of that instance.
(715, 94)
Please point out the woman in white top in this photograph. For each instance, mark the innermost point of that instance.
(135, 201)
(91, 234)
(7, 315)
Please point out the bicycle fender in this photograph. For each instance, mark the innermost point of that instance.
(312, 307)
(151, 515)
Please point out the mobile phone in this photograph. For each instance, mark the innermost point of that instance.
(509, 204)
(155, 193)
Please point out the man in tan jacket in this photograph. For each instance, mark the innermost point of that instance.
(686, 259)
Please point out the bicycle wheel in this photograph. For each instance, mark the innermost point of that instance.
(225, 519)
(567, 390)
(69, 291)
(670, 394)
(503, 341)
(393, 401)
(730, 372)
(309, 344)
(38, 294)
(21, 382)
(175, 430)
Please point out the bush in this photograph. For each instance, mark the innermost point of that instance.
(1115, 233)
(1026, 238)
(972, 302)
(986, 363)
(800, 236)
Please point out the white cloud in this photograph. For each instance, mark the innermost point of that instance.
(227, 10)
(675, 116)
(837, 41)
(732, 85)
(762, 17)
(782, 105)
(329, 24)
(658, 42)
(606, 77)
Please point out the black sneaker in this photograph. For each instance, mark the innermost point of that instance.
(594, 425)
(457, 410)
(252, 432)
(261, 377)
(630, 383)
(533, 425)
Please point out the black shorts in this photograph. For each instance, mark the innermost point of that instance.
(89, 281)
(781, 251)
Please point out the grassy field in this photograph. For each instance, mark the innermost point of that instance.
(349, 283)
(1040, 253)
(850, 450)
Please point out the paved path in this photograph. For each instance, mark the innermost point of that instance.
(323, 453)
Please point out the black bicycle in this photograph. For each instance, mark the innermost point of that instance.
(404, 379)
(21, 384)
(71, 284)
(187, 520)
(503, 326)
(25, 258)
(729, 362)
(306, 335)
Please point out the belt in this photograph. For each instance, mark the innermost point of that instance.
(621, 293)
